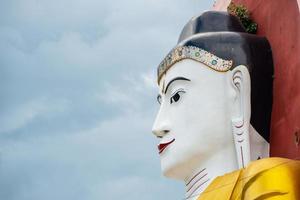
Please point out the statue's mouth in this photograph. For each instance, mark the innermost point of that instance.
(161, 147)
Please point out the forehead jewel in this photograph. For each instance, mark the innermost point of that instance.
(194, 53)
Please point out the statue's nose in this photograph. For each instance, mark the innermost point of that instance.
(160, 128)
(161, 125)
(160, 133)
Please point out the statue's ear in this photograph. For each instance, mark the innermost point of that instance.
(241, 84)
(241, 113)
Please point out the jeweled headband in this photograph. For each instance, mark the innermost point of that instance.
(194, 53)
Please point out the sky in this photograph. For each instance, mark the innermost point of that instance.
(78, 97)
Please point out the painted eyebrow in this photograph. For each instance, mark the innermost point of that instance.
(176, 79)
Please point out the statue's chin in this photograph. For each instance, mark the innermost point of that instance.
(172, 173)
(180, 164)
(174, 170)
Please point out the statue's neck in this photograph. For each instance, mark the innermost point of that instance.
(217, 165)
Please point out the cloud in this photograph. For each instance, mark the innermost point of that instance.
(149, 79)
(132, 96)
(22, 115)
(94, 165)
(78, 97)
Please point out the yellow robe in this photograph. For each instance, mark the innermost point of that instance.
(270, 178)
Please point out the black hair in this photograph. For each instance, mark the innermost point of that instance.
(223, 35)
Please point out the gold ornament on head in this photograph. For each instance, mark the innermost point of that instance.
(194, 53)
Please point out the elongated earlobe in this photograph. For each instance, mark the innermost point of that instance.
(241, 119)
(241, 141)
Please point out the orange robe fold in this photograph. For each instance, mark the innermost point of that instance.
(269, 178)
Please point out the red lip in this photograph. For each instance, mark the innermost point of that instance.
(161, 147)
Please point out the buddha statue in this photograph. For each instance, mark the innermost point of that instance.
(213, 124)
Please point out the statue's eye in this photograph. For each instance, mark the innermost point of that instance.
(176, 96)
(159, 99)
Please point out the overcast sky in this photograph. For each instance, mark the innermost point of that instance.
(78, 97)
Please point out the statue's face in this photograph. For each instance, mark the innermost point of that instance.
(194, 119)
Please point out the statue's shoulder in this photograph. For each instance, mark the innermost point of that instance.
(273, 163)
(268, 178)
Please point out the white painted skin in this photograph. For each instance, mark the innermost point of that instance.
(201, 121)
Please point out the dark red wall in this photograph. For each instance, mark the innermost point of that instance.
(279, 21)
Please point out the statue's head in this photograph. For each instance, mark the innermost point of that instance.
(215, 91)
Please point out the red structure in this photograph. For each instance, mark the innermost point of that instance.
(279, 21)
